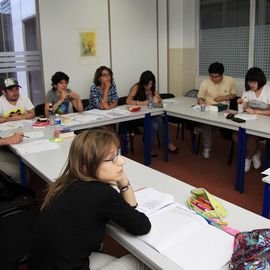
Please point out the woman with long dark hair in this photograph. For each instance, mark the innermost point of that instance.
(138, 96)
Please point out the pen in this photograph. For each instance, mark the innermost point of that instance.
(201, 205)
(26, 136)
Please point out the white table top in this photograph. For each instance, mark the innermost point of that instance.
(49, 164)
(258, 127)
(266, 179)
(103, 118)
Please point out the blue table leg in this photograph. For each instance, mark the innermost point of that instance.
(266, 200)
(147, 138)
(23, 173)
(166, 137)
(241, 156)
(267, 154)
(123, 139)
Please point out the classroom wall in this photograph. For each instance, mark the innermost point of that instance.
(130, 33)
(182, 53)
(60, 23)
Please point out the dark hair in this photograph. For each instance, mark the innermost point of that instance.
(255, 74)
(87, 152)
(216, 68)
(98, 73)
(58, 77)
(145, 78)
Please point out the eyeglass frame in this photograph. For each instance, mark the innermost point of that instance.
(115, 158)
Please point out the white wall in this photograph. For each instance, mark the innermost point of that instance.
(60, 22)
(134, 40)
(182, 23)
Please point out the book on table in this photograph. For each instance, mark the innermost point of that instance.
(182, 235)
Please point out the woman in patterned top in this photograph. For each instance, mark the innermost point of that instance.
(103, 94)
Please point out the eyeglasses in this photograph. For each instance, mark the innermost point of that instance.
(214, 76)
(114, 159)
(105, 75)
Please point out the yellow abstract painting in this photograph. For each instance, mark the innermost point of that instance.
(88, 44)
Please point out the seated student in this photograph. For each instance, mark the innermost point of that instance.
(60, 95)
(103, 93)
(138, 96)
(12, 105)
(218, 88)
(9, 162)
(79, 204)
(255, 100)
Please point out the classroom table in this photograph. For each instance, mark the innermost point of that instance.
(182, 108)
(48, 165)
(107, 117)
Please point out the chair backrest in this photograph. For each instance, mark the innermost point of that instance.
(39, 109)
(84, 103)
(122, 101)
(192, 93)
(166, 95)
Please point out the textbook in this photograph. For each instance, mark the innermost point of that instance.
(181, 235)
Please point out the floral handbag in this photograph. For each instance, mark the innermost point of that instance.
(251, 250)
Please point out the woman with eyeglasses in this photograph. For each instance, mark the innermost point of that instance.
(103, 93)
(78, 205)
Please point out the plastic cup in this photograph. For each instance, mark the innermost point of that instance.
(202, 107)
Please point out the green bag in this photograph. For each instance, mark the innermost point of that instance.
(205, 203)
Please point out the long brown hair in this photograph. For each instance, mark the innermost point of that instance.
(87, 152)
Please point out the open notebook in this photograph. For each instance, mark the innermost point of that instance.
(181, 235)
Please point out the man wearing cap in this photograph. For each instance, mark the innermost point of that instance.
(12, 105)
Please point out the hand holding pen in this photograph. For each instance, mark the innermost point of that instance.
(16, 138)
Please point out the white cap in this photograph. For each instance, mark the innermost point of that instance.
(11, 82)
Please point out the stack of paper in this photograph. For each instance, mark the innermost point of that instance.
(183, 236)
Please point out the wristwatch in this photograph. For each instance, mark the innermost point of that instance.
(124, 188)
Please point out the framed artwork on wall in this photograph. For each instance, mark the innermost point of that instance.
(88, 43)
(87, 46)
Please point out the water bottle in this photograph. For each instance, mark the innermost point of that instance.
(57, 126)
(57, 120)
(150, 101)
(51, 114)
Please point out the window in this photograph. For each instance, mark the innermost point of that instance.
(224, 35)
(262, 36)
(225, 27)
(19, 52)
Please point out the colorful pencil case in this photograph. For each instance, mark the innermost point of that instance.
(205, 203)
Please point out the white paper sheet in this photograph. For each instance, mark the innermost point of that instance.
(33, 135)
(14, 124)
(35, 147)
(246, 116)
